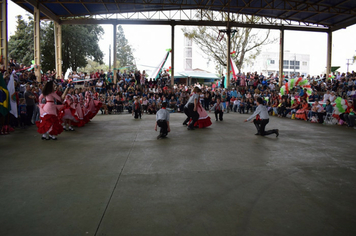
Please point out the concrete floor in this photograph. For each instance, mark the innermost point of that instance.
(112, 177)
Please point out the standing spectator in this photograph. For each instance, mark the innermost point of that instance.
(30, 104)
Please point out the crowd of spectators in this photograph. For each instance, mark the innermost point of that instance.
(240, 96)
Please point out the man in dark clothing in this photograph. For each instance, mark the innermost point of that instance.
(30, 104)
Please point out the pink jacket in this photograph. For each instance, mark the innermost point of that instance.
(49, 107)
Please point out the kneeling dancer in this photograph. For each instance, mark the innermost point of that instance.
(262, 119)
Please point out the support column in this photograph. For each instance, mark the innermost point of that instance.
(281, 56)
(228, 33)
(3, 34)
(172, 57)
(37, 48)
(114, 52)
(329, 53)
(58, 47)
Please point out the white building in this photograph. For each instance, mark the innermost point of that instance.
(293, 63)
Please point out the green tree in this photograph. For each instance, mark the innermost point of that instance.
(245, 41)
(79, 44)
(124, 53)
(21, 44)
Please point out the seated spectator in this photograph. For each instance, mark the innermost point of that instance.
(172, 103)
(328, 107)
(326, 96)
(345, 117)
(303, 111)
(128, 105)
(317, 110)
(144, 104)
(242, 106)
(152, 109)
(236, 104)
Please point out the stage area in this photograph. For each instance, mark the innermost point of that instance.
(113, 177)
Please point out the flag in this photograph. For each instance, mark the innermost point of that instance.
(233, 68)
(12, 94)
(160, 66)
(4, 97)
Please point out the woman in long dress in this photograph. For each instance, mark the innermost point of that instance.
(204, 119)
(49, 125)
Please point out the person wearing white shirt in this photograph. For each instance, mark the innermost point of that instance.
(326, 96)
(332, 97)
(262, 120)
(162, 120)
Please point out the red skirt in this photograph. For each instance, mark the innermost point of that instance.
(47, 122)
(203, 123)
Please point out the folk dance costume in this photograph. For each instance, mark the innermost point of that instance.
(218, 109)
(68, 114)
(262, 119)
(89, 106)
(204, 119)
(189, 110)
(136, 110)
(49, 125)
(162, 120)
(79, 111)
(97, 102)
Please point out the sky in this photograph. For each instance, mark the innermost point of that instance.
(149, 44)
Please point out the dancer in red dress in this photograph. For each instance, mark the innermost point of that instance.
(49, 125)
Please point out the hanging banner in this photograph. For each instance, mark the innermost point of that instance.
(159, 68)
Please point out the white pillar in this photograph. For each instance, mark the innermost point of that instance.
(58, 47)
(329, 53)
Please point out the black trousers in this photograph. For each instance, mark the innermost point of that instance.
(191, 114)
(220, 114)
(164, 127)
(29, 109)
(137, 113)
(261, 125)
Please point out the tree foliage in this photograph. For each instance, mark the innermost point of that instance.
(245, 41)
(21, 44)
(79, 44)
(124, 53)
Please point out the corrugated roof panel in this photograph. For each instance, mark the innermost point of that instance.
(79, 9)
(57, 9)
(96, 7)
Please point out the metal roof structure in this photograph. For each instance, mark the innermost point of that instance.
(316, 15)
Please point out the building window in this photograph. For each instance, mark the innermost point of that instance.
(305, 63)
(297, 65)
(188, 42)
(188, 64)
(188, 52)
(285, 64)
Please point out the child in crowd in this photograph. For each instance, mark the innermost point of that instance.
(136, 109)
(22, 112)
(242, 106)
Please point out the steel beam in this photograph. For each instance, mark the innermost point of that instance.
(329, 53)
(37, 46)
(58, 48)
(281, 57)
(193, 23)
(172, 56)
(3, 34)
